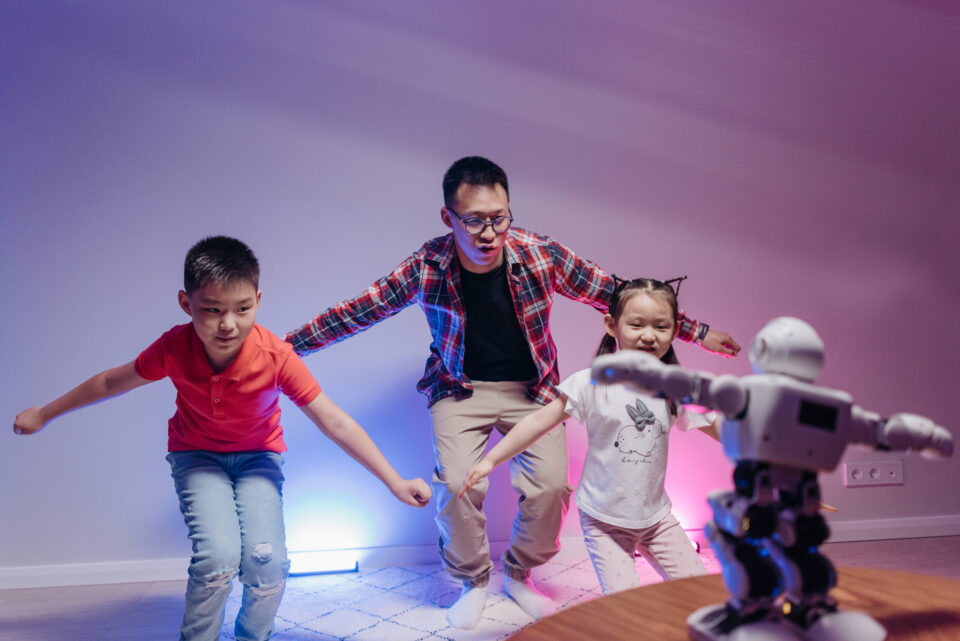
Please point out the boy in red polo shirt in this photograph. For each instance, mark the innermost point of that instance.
(225, 439)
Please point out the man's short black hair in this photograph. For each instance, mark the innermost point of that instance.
(219, 259)
(472, 170)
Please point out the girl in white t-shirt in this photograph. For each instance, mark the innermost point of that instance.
(623, 506)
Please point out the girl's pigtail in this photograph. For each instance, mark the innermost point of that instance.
(608, 344)
(670, 358)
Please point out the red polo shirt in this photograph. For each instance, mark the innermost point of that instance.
(236, 410)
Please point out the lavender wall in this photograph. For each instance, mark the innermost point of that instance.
(791, 159)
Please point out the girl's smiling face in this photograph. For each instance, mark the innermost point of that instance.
(645, 323)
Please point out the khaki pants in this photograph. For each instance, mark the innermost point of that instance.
(664, 545)
(461, 429)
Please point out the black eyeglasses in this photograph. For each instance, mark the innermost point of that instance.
(476, 226)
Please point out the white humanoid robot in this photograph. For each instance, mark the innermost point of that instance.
(781, 430)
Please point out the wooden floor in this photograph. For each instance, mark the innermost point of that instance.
(395, 604)
(909, 606)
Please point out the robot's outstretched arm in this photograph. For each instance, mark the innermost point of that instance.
(901, 433)
(648, 373)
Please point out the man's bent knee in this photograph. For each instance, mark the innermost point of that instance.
(548, 492)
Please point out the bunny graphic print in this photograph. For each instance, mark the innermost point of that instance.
(626, 460)
(641, 436)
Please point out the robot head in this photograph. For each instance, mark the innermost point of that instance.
(787, 346)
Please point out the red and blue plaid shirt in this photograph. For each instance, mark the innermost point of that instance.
(537, 266)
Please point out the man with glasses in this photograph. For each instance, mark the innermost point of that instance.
(487, 289)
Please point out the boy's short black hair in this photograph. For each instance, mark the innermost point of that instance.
(219, 259)
(472, 170)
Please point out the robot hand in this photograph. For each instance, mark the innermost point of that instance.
(646, 372)
(904, 432)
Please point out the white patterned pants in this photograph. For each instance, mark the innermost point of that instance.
(664, 545)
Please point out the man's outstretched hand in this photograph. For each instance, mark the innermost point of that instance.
(720, 343)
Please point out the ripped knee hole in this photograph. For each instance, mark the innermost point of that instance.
(267, 590)
(216, 580)
(262, 552)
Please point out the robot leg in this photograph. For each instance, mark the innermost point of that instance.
(752, 579)
(818, 576)
(801, 529)
(809, 605)
(749, 573)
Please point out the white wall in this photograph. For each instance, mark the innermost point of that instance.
(799, 160)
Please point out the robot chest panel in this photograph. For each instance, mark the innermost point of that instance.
(790, 423)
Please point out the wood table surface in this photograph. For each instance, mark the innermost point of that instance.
(910, 606)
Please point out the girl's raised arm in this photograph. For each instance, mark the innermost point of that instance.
(519, 438)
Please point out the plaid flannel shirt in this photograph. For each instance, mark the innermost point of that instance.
(537, 266)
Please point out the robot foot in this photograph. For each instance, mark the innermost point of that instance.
(721, 623)
(845, 626)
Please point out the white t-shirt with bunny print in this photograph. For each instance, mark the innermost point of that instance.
(626, 462)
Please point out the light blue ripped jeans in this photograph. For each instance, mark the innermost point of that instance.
(232, 505)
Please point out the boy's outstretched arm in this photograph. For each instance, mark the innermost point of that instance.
(519, 438)
(352, 439)
(107, 383)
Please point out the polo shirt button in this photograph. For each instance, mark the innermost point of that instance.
(216, 379)
(216, 400)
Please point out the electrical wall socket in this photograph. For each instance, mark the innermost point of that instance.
(873, 473)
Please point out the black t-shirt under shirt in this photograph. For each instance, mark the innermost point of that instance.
(495, 348)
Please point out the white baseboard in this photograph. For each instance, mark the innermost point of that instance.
(49, 576)
(44, 576)
(372, 558)
(903, 528)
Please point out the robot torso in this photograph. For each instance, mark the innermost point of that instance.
(790, 423)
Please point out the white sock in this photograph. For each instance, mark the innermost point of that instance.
(529, 598)
(465, 613)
